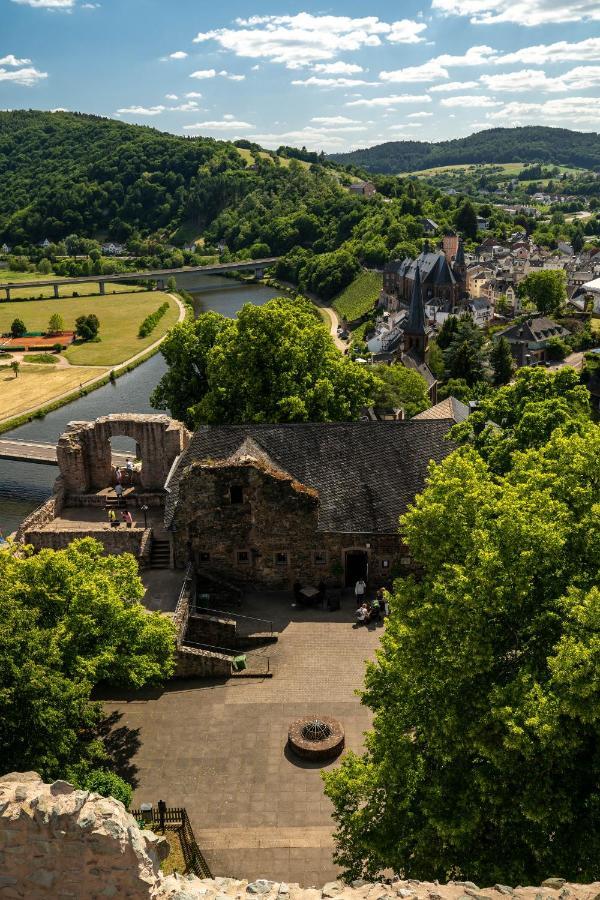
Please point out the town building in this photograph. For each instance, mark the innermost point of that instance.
(529, 340)
(362, 188)
(441, 282)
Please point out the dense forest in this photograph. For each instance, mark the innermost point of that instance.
(531, 144)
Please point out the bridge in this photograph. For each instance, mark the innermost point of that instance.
(36, 452)
(161, 276)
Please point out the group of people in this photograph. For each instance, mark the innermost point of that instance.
(114, 520)
(370, 610)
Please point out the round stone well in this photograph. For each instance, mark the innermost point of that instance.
(316, 738)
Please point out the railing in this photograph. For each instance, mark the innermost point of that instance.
(232, 653)
(198, 610)
(178, 819)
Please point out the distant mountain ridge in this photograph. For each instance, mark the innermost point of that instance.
(528, 144)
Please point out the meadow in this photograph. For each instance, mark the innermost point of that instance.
(38, 385)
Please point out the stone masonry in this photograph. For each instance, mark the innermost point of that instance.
(84, 451)
(59, 842)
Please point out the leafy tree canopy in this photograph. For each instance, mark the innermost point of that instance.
(545, 290)
(274, 363)
(401, 388)
(483, 759)
(70, 619)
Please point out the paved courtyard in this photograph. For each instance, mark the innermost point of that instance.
(219, 748)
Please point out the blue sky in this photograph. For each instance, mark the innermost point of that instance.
(332, 77)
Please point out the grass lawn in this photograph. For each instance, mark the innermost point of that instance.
(120, 319)
(37, 385)
(359, 297)
(67, 290)
(595, 324)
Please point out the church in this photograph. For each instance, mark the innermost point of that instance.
(443, 275)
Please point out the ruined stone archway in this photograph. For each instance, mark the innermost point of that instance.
(84, 451)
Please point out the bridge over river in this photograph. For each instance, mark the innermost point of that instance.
(42, 454)
(160, 276)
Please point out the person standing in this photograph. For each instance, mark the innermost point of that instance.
(119, 490)
(359, 591)
(127, 518)
(112, 518)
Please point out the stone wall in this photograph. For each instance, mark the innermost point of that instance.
(56, 841)
(271, 539)
(206, 629)
(193, 662)
(84, 451)
(44, 514)
(114, 540)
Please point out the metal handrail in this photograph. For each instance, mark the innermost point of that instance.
(234, 615)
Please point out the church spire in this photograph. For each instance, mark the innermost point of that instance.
(415, 322)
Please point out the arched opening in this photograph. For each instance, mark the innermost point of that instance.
(126, 461)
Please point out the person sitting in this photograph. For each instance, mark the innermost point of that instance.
(362, 614)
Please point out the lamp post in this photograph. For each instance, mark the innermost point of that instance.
(145, 511)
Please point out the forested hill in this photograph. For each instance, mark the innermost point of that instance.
(68, 173)
(496, 145)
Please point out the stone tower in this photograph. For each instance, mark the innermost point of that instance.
(416, 332)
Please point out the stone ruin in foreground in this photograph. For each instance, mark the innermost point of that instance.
(59, 842)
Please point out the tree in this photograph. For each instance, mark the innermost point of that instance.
(466, 220)
(171, 284)
(87, 327)
(545, 290)
(56, 324)
(18, 328)
(15, 366)
(401, 388)
(447, 332)
(274, 363)
(557, 349)
(522, 415)
(482, 761)
(502, 361)
(44, 266)
(455, 387)
(70, 619)
(105, 783)
(465, 356)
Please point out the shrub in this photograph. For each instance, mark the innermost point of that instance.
(151, 321)
(18, 328)
(87, 327)
(108, 785)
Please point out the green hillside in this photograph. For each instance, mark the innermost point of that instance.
(496, 145)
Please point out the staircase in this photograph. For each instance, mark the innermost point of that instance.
(115, 503)
(160, 554)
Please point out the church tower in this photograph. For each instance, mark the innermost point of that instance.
(416, 332)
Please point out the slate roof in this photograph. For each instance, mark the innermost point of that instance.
(450, 408)
(533, 330)
(433, 268)
(366, 473)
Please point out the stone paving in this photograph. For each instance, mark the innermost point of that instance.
(219, 748)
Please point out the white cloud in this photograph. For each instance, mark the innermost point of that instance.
(47, 4)
(179, 54)
(193, 95)
(391, 100)
(317, 81)
(305, 39)
(429, 71)
(419, 115)
(231, 76)
(190, 106)
(334, 120)
(479, 55)
(338, 68)
(26, 77)
(227, 123)
(141, 110)
(453, 86)
(561, 51)
(12, 60)
(580, 78)
(204, 73)
(571, 110)
(307, 137)
(469, 100)
(171, 96)
(522, 12)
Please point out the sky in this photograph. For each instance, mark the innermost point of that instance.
(331, 77)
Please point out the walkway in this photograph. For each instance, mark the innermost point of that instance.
(220, 748)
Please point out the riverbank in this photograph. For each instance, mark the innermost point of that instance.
(99, 379)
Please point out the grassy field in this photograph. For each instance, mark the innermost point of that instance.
(37, 385)
(248, 157)
(84, 290)
(120, 319)
(359, 297)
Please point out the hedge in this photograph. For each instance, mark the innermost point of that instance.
(151, 321)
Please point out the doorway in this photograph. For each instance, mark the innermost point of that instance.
(357, 566)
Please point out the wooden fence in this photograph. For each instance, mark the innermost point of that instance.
(177, 819)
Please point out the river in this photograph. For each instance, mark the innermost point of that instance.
(23, 486)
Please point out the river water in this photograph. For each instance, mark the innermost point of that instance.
(23, 486)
